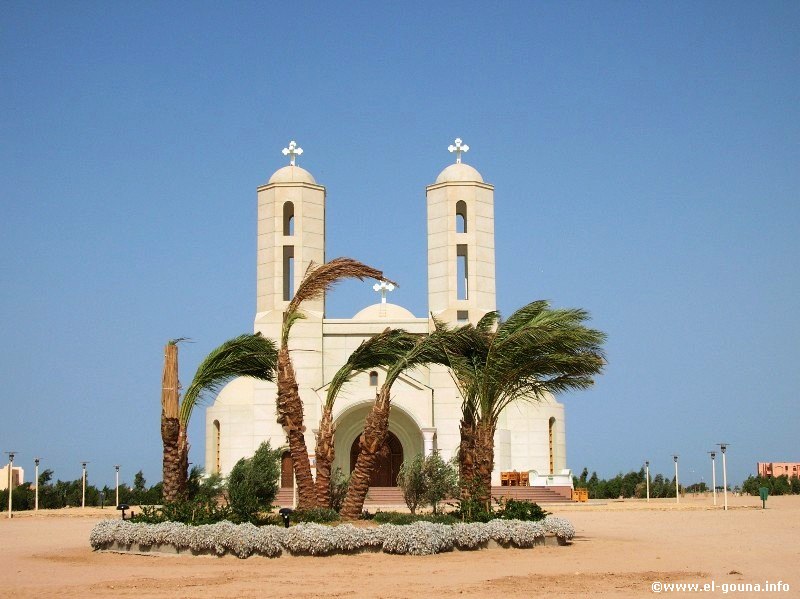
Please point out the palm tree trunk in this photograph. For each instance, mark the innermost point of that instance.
(324, 453)
(183, 460)
(484, 462)
(466, 458)
(290, 417)
(376, 429)
(170, 425)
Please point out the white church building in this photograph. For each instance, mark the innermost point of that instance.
(426, 405)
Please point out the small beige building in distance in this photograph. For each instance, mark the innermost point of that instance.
(426, 405)
(16, 479)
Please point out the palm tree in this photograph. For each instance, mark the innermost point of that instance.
(316, 281)
(245, 355)
(379, 350)
(536, 352)
(376, 425)
(170, 424)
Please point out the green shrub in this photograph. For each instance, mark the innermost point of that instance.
(403, 519)
(513, 509)
(338, 486)
(319, 515)
(195, 513)
(253, 484)
(468, 507)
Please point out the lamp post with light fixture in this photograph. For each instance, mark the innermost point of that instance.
(10, 479)
(714, 474)
(116, 468)
(647, 478)
(723, 447)
(677, 485)
(83, 495)
(36, 485)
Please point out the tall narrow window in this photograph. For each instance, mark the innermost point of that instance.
(551, 431)
(216, 447)
(288, 218)
(373, 379)
(462, 272)
(288, 272)
(461, 216)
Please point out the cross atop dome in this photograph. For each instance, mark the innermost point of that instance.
(458, 149)
(292, 151)
(383, 287)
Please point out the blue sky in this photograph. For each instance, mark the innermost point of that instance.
(645, 161)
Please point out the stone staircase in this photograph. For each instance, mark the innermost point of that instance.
(392, 497)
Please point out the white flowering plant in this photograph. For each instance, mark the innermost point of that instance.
(244, 540)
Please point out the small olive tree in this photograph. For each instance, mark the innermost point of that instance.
(441, 480)
(411, 480)
(427, 481)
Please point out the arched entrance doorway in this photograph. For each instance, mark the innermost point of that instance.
(390, 458)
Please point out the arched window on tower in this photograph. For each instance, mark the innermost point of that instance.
(551, 433)
(216, 447)
(462, 272)
(373, 379)
(288, 218)
(288, 272)
(461, 216)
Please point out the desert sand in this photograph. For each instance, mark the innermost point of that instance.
(620, 550)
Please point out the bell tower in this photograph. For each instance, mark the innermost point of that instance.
(291, 234)
(461, 279)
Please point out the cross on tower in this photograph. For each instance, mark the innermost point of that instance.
(383, 287)
(458, 149)
(292, 151)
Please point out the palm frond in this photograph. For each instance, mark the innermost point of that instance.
(382, 349)
(537, 351)
(319, 278)
(247, 355)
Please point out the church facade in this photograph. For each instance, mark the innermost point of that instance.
(426, 405)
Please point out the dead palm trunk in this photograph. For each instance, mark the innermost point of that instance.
(325, 453)
(376, 429)
(290, 417)
(170, 424)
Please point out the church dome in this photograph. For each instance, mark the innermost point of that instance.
(459, 172)
(292, 174)
(385, 311)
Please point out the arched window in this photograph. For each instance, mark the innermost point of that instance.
(288, 218)
(373, 379)
(551, 432)
(216, 447)
(461, 216)
(288, 272)
(462, 272)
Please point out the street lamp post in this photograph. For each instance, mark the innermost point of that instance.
(36, 485)
(723, 447)
(116, 468)
(647, 478)
(10, 480)
(714, 474)
(83, 495)
(677, 485)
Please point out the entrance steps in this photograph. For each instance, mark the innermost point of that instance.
(392, 497)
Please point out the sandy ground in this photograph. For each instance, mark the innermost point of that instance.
(621, 548)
